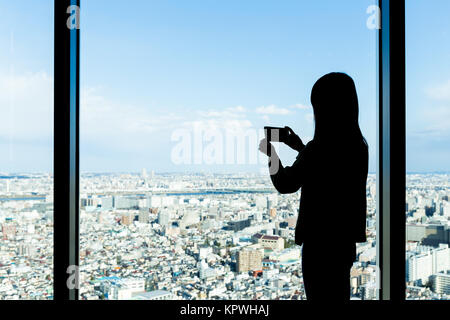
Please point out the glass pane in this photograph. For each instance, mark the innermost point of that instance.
(173, 205)
(428, 154)
(26, 148)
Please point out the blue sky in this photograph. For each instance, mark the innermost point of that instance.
(157, 67)
(428, 85)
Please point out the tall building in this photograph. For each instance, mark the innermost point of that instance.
(204, 251)
(143, 216)
(422, 266)
(8, 229)
(269, 205)
(205, 272)
(127, 218)
(107, 203)
(125, 202)
(446, 209)
(441, 283)
(249, 259)
(273, 212)
(154, 201)
(164, 218)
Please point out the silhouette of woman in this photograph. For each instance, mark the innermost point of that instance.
(331, 171)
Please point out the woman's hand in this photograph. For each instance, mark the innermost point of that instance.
(293, 140)
(263, 147)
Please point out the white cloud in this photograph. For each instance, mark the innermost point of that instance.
(26, 101)
(119, 125)
(127, 127)
(232, 112)
(300, 106)
(237, 109)
(438, 119)
(434, 123)
(440, 92)
(215, 124)
(230, 119)
(272, 109)
(309, 117)
(435, 117)
(26, 114)
(106, 125)
(266, 118)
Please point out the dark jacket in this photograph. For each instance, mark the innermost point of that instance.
(332, 179)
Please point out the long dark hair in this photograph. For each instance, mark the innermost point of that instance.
(335, 105)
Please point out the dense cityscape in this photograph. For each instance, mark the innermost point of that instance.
(153, 236)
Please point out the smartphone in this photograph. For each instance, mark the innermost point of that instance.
(275, 134)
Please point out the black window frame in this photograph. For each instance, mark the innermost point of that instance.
(66, 152)
(391, 146)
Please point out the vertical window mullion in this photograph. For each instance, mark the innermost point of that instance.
(66, 147)
(392, 151)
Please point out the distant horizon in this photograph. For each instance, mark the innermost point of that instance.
(183, 172)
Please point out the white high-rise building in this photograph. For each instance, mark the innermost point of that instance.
(422, 266)
(446, 209)
(258, 216)
(164, 218)
(124, 289)
(154, 201)
(441, 283)
(189, 218)
(203, 252)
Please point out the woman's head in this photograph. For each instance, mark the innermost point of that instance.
(335, 105)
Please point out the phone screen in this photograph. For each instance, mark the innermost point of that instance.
(275, 134)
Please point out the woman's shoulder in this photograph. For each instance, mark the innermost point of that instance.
(310, 145)
(306, 151)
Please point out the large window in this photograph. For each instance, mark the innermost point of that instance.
(428, 155)
(174, 205)
(26, 149)
(174, 200)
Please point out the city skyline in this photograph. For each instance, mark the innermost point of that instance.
(151, 236)
(252, 66)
